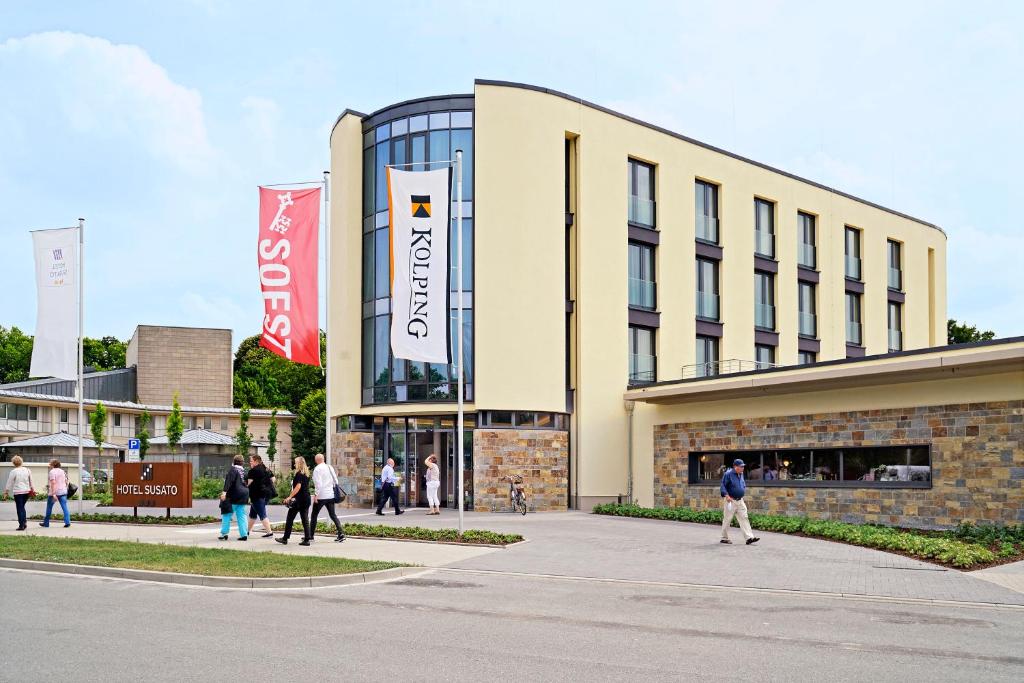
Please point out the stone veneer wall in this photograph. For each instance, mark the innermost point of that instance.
(977, 463)
(352, 453)
(540, 455)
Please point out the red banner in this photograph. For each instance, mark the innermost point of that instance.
(287, 255)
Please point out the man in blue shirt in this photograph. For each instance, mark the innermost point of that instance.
(733, 488)
(389, 488)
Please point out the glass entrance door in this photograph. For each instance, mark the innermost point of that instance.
(409, 441)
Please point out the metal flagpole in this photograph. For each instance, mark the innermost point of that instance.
(458, 330)
(80, 388)
(327, 318)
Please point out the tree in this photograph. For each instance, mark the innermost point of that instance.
(272, 437)
(143, 434)
(962, 333)
(175, 425)
(309, 433)
(107, 353)
(243, 439)
(98, 426)
(15, 355)
(265, 380)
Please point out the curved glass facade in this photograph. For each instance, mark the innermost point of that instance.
(422, 139)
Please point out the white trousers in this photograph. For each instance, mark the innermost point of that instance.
(432, 499)
(738, 508)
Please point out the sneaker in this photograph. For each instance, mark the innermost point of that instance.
(282, 541)
(44, 525)
(380, 513)
(269, 534)
(726, 540)
(755, 539)
(243, 538)
(67, 525)
(222, 538)
(22, 527)
(399, 512)
(304, 542)
(340, 538)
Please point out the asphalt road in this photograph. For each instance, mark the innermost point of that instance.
(464, 625)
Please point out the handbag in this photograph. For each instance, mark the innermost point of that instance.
(339, 495)
(72, 490)
(225, 507)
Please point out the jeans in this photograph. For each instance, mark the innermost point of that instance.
(289, 521)
(238, 511)
(739, 508)
(388, 492)
(317, 507)
(258, 508)
(63, 506)
(19, 502)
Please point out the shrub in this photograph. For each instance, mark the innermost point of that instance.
(129, 519)
(472, 536)
(207, 487)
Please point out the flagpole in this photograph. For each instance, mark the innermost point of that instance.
(80, 389)
(327, 318)
(458, 331)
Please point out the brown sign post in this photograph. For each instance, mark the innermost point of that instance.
(153, 485)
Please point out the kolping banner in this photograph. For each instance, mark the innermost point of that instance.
(55, 348)
(419, 204)
(287, 256)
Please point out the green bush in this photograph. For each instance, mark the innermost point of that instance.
(284, 485)
(129, 519)
(472, 536)
(207, 487)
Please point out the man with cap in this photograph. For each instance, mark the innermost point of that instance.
(733, 488)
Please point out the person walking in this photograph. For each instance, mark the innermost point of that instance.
(298, 503)
(732, 490)
(234, 498)
(57, 489)
(324, 482)
(261, 489)
(433, 477)
(389, 488)
(19, 485)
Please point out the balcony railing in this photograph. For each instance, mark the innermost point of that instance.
(641, 367)
(724, 367)
(764, 243)
(853, 267)
(895, 340)
(853, 333)
(808, 324)
(641, 211)
(764, 316)
(707, 229)
(707, 305)
(895, 279)
(641, 293)
(807, 255)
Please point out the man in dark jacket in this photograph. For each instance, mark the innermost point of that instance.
(733, 488)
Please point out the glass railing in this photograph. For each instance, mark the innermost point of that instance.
(641, 293)
(707, 229)
(707, 305)
(724, 367)
(641, 368)
(709, 369)
(807, 255)
(641, 211)
(764, 243)
(895, 279)
(853, 267)
(853, 333)
(808, 324)
(764, 316)
(895, 340)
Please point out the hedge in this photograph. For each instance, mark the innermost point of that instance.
(471, 537)
(129, 519)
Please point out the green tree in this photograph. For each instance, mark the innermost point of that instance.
(98, 426)
(175, 425)
(107, 353)
(272, 437)
(309, 433)
(143, 434)
(962, 333)
(265, 380)
(243, 439)
(15, 355)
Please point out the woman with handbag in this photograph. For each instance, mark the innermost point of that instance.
(326, 493)
(261, 490)
(298, 503)
(19, 485)
(433, 477)
(58, 486)
(233, 499)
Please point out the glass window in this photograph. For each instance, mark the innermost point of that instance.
(895, 266)
(398, 149)
(440, 141)
(368, 267)
(368, 192)
(545, 421)
(708, 468)
(382, 261)
(117, 419)
(764, 228)
(854, 334)
(383, 132)
(808, 323)
(895, 326)
(641, 193)
(500, 418)
(764, 356)
(707, 211)
(368, 352)
(641, 275)
(224, 424)
(764, 300)
(467, 256)
(440, 120)
(707, 356)
(463, 139)
(887, 464)
(418, 123)
(419, 152)
(400, 127)
(806, 357)
(525, 419)
(63, 415)
(381, 348)
(852, 248)
(806, 250)
(462, 119)
(641, 354)
(207, 422)
(383, 158)
(707, 289)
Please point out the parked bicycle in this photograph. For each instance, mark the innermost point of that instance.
(516, 494)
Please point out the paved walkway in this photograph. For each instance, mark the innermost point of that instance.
(1008, 575)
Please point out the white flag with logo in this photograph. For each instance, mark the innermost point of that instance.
(55, 348)
(419, 204)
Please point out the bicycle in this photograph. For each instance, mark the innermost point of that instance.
(516, 495)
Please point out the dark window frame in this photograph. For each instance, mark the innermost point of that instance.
(772, 207)
(709, 192)
(633, 166)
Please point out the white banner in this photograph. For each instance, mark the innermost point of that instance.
(419, 203)
(55, 349)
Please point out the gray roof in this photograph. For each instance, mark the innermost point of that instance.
(110, 385)
(191, 437)
(129, 405)
(61, 439)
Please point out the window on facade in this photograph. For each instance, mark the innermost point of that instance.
(117, 419)
(707, 211)
(764, 356)
(641, 354)
(808, 322)
(207, 422)
(806, 357)
(854, 333)
(895, 266)
(764, 228)
(224, 424)
(190, 422)
(641, 276)
(853, 263)
(641, 194)
(707, 356)
(806, 246)
(895, 326)
(764, 300)
(707, 289)
(63, 415)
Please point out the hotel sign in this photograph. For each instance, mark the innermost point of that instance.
(153, 484)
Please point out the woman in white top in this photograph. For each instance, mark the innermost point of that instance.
(433, 476)
(57, 492)
(19, 484)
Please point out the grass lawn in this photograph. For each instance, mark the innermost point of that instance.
(184, 559)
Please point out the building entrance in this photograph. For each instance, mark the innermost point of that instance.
(409, 441)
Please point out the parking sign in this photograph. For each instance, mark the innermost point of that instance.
(133, 450)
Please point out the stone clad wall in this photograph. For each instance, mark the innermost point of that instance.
(977, 463)
(540, 455)
(352, 453)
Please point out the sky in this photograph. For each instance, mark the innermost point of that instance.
(155, 121)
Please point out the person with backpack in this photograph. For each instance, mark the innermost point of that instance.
(261, 490)
(233, 499)
(325, 495)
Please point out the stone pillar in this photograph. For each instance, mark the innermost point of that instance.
(541, 456)
(352, 454)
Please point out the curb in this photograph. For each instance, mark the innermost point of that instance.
(210, 581)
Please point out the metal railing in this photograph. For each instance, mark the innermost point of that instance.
(764, 243)
(641, 293)
(853, 267)
(853, 333)
(724, 367)
(707, 229)
(895, 279)
(641, 211)
(641, 367)
(808, 324)
(807, 255)
(707, 305)
(895, 340)
(764, 316)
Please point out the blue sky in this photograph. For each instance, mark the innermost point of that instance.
(156, 121)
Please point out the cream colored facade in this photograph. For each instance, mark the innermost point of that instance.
(520, 267)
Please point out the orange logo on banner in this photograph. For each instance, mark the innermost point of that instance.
(421, 206)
